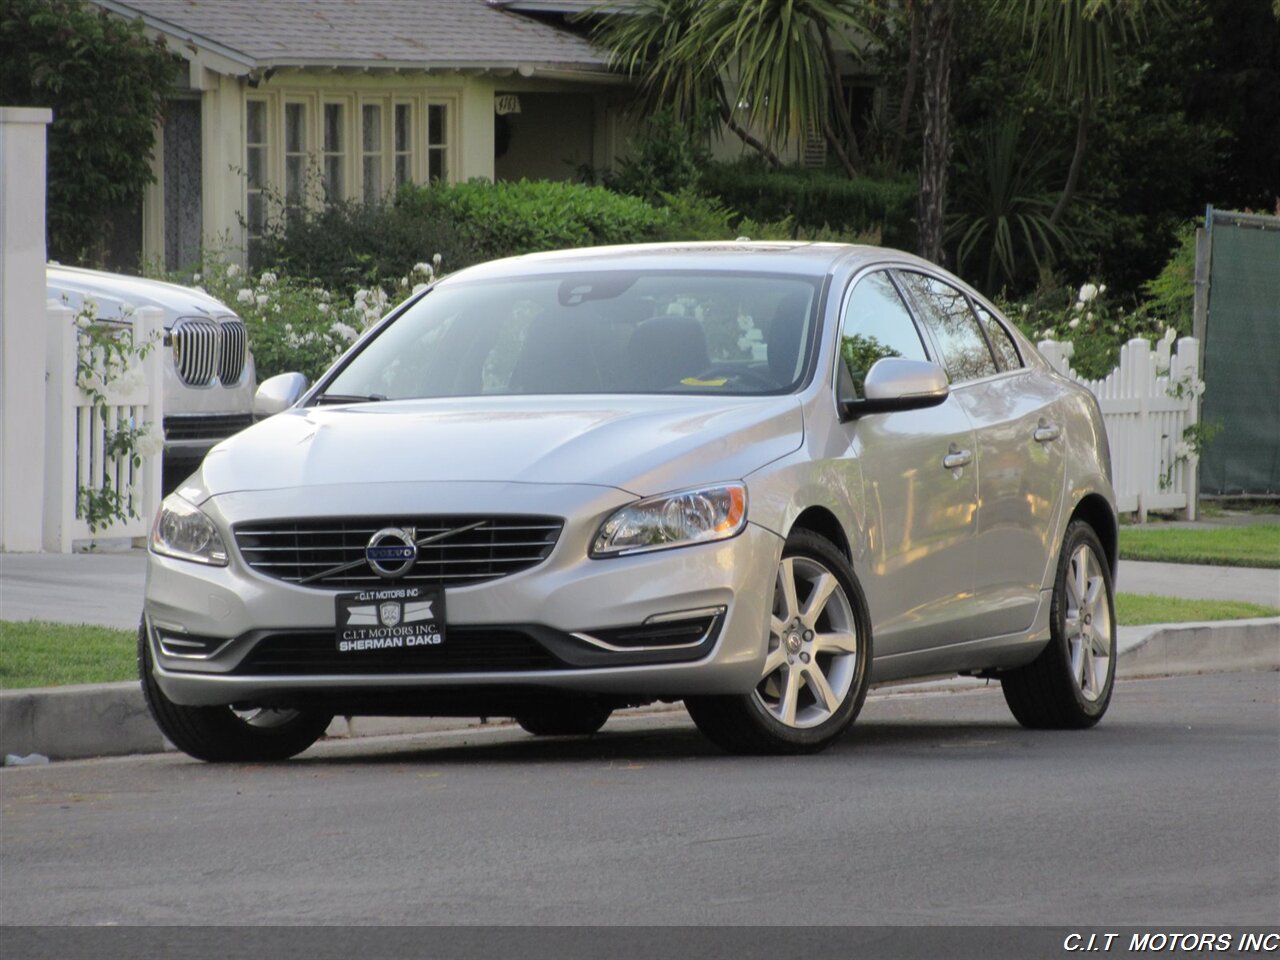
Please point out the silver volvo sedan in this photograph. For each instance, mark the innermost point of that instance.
(753, 477)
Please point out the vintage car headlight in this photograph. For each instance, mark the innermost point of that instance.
(181, 530)
(674, 520)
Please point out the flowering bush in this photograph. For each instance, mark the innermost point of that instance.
(1095, 327)
(294, 324)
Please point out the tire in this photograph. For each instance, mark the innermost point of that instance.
(1068, 686)
(817, 666)
(223, 734)
(565, 718)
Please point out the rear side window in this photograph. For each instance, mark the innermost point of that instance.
(945, 311)
(1001, 342)
(877, 324)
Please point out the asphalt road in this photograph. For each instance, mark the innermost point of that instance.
(938, 809)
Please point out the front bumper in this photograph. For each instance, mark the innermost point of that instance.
(558, 611)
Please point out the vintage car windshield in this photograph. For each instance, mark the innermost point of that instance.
(710, 333)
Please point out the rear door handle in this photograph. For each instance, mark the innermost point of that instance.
(1046, 432)
(957, 458)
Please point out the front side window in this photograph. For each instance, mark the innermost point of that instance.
(601, 332)
(876, 324)
(945, 311)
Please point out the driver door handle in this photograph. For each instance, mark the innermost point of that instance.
(957, 458)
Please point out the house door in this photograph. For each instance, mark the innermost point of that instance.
(183, 217)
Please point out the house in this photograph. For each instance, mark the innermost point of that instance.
(287, 101)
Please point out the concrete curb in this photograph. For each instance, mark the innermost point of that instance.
(111, 719)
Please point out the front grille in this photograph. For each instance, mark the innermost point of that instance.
(465, 650)
(203, 349)
(292, 550)
(195, 351)
(212, 427)
(232, 346)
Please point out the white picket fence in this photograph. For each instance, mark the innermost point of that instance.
(77, 433)
(1148, 402)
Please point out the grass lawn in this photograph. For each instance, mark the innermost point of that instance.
(40, 654)
(1136, 608)
(1254, 546)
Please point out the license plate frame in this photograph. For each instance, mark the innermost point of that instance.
(390, 618)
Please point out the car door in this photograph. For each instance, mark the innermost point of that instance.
(1018, 451)
(920, 511)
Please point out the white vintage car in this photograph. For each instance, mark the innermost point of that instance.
(209, 376)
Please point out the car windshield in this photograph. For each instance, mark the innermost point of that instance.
(600, 332)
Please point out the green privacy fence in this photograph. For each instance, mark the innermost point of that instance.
(1242, 356)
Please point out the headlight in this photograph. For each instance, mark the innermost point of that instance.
(674, 520)
(181, 530)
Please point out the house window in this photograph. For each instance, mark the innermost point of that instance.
(437, 141)
(333, 152)
(371, 151)
(255, 164)
(295, 153)
(402, 146)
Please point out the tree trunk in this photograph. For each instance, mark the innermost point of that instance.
(833, 141)
(849, 154)
(762, 148)
(1077, 161)
(908, 87)
(936, 110)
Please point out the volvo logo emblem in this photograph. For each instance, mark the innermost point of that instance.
(391, 552)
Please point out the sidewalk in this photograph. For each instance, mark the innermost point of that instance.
(111, 719)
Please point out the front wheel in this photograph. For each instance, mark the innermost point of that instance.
(1069, 685)
(818, 661)
(227, 734)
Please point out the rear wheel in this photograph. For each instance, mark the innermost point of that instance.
(1069, 685)
(818, 662)
(228, 734)
(566, 718)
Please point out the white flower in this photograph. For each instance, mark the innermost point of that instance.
(1025, 309)
(435, 261)
(1075, 322)
(363, 295)
(1089, 316)
(267, 279)
(345, 332)
(1115, 328)
(196, 278)
(1103, 288)
(150, 441)
(233, 269)
(1197, 388)
(418, 288)
(245, 295)
(322, 307)
(262, 299)
(423, 268)
(1079, 307)
(1087, 293)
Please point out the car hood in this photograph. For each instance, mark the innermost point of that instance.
(116, 294)
(641, 444)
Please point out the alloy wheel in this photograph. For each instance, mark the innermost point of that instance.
(1088, 628)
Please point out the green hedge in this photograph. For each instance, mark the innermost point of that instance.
(817, 198)
(514, 217)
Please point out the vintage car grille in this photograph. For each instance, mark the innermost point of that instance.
(216, 426)
(466, 650)
(203, 349)
(292, 550)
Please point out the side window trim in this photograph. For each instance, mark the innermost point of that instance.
(889, 268)
(916, 309)
(975, 305)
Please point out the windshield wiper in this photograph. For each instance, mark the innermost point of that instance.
(331, 398)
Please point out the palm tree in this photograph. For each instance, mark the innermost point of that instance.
(1074, 43)
(784, 55)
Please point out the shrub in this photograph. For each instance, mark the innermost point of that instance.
(345, 247)
(815, 199)
(665, 158)
(514, 217)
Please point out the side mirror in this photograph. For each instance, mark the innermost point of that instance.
(278, 393)
(894, 384)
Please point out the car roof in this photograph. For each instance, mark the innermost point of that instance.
(808, 258)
